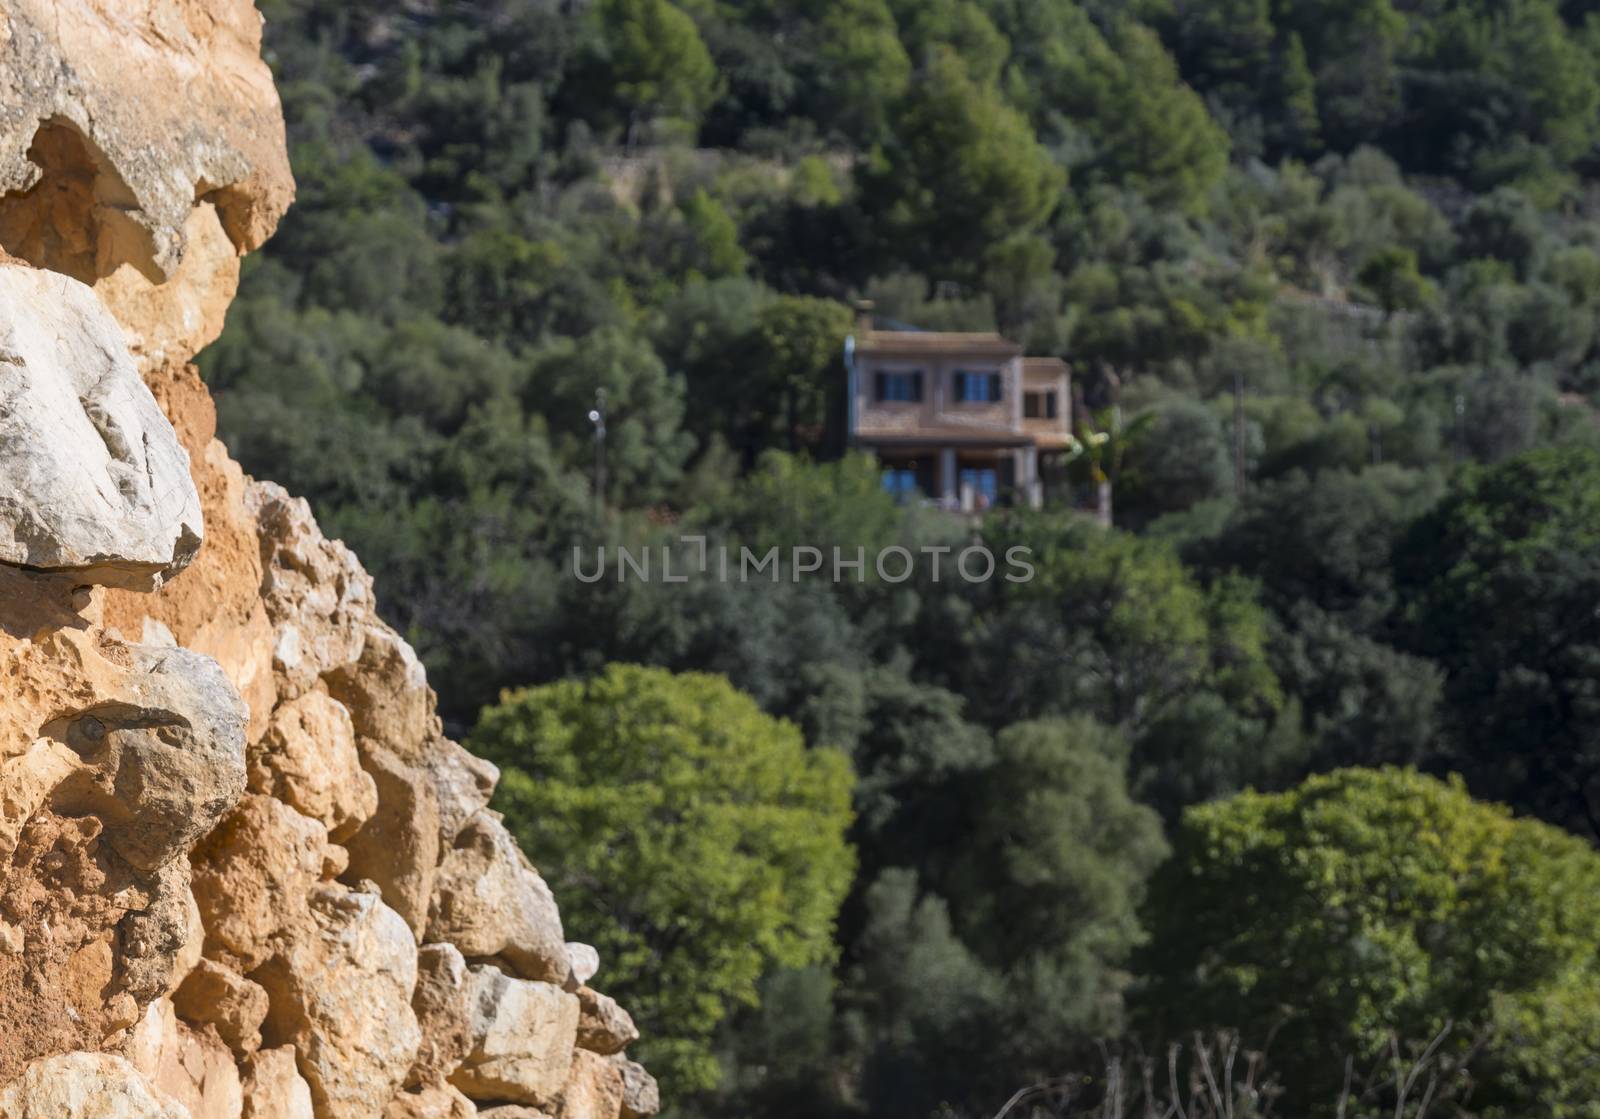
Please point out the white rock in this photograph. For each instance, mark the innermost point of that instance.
(85, 1086)
(274, 1088)
(488, 901)
(193, 1068)
(522, 1039)
(584, 959)
(341, 995)
(92, 476)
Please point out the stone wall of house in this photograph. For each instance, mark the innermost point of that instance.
(243, 873)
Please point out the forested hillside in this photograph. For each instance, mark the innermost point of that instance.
(1335, 266)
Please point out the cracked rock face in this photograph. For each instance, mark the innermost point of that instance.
(354, 937)
(93, 479)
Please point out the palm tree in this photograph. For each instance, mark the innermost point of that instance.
(1098, 448)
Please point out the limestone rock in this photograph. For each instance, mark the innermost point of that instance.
(387, 692)
(398, 846)
(148, 905)
(25, 783)
(274, 1088)
(442, 1002)
(163, 762)
(489, 901)
(308, 759)
(603, 1026)
(216, 607)
(194, 1068)
(463, 782)
(187, 956)
(162, 152)
(335, 861)
(92, 476)
(326, 631)
(253, 877)
(640, 1096)
(443, 1102)
(225, 1000)
(318, 597)
(593, 1089)
(522, 1038)
(107, 177)
(341, 995)
(585, 961)
(85, 1086)
(161, 940)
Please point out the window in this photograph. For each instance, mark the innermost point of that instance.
(901, 482)
(977, 388)
(1039, 406)
(984, 482)
(901, 387)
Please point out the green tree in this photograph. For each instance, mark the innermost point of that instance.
(787, 500)
(959, 25)
(1120, 91)
(646, 445)
(693, 840)
(962, 172)
(925, 1000)
(1324, 539)
(1362, 702)
(656, 60)
(979, 977)
(1298, 124)
(1391, 276)
(1371, 903)
(796, 368)
(1155, 133)
(1109, 623)
(1499, 584)
(915, 756)
(862, 67)
(712, 250)
(1179, 459)
(1058, 854)
(1505, 226)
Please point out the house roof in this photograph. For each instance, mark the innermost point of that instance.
(936, 342)
(1048, 366)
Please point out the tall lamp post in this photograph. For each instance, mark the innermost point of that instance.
(597, 416)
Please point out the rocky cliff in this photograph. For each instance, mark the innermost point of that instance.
(243, 873)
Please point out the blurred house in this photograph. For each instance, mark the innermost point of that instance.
(960, 418)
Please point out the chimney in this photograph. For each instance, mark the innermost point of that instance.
(863, 319)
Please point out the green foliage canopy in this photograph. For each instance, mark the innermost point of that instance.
(1369, 901)
(694, 840)
(1499, 584)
